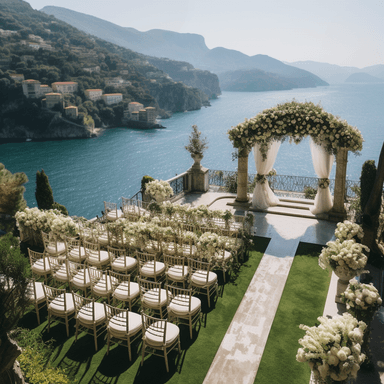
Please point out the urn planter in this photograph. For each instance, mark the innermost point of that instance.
(342, 284)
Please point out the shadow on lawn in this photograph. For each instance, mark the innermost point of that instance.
(153, 370)
(114, 364)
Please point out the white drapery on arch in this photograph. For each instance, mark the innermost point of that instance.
(322, 163)
(263, 197)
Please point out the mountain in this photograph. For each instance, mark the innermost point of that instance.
(363, 77)
(184, 47)
(335, 74)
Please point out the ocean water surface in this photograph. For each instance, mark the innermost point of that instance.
(84, 173)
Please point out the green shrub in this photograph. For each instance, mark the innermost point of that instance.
(309, 192)
(367, 179)
(230, 183)
(61, 208)
(146, 179)
(34, 360)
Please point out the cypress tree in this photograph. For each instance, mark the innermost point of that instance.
(367, 180)
(43, 194)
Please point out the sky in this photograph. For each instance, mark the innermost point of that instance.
(341, 32)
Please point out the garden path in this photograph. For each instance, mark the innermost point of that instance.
(239, 355)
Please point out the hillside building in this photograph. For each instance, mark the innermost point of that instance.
(71, 112)
(53, 99)
(116, 82)
(135, 115)
(93, 94)
(44, 89)
(112, 98)
(17, 76)
(135, 106)
(64, 86)
(151, 115)
(143, 115)
(31, 88)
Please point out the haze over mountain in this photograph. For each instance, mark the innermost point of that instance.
(363, 77)
(335, 74)
(187, 47)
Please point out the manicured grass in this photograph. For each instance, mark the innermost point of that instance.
(302, 302)
(85, 365)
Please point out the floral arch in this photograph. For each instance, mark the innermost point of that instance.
(294, 121)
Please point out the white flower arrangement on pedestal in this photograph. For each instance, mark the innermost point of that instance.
(333, 348)
(344, 257)
(159, 189)
(348, 231)
(362, 300)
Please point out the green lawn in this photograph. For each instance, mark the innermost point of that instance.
(85, 366)
(302, 302)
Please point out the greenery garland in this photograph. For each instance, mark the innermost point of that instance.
(295, 121)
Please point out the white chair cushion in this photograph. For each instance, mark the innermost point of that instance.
(76, 253)
(151, 298)
(57, 305)
(82, 279)
(220, 257)
(176, 272)
(200, 278)
(61, 248)
(62, 274)
(41, 266)
(95, 260)
(40, 297)
(148, 269)
(117, 326)
(85, 314)
(113, 215)
(105, 285)
(124, 263)
(155, 336)
(121, 291)
(103, 239)
(180, 305)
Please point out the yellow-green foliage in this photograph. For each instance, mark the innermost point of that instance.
(32, 363)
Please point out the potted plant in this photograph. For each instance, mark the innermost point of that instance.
(346, 259)
(333, 348)
(196, 146)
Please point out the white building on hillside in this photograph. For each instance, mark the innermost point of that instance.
(112, 98)
(64, 86)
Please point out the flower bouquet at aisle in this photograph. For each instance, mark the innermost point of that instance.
(346, 259)
(362, 300)
(349, 231)
(333, 348)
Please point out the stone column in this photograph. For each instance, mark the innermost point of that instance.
(242, 177)
(338, 212)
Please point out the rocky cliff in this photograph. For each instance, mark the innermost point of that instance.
(58, 128)
(206, 81)
(176, 97)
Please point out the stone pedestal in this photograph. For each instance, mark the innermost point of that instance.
(198, 179)
(338, 212)
(242, 177)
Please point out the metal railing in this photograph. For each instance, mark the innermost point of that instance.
(179, 184)
(279, 183)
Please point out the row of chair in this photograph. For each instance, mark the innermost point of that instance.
(123, 325)
(178, 271)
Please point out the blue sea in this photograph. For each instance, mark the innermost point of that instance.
(84, 173)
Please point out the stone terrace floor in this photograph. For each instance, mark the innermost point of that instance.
(239, 355)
